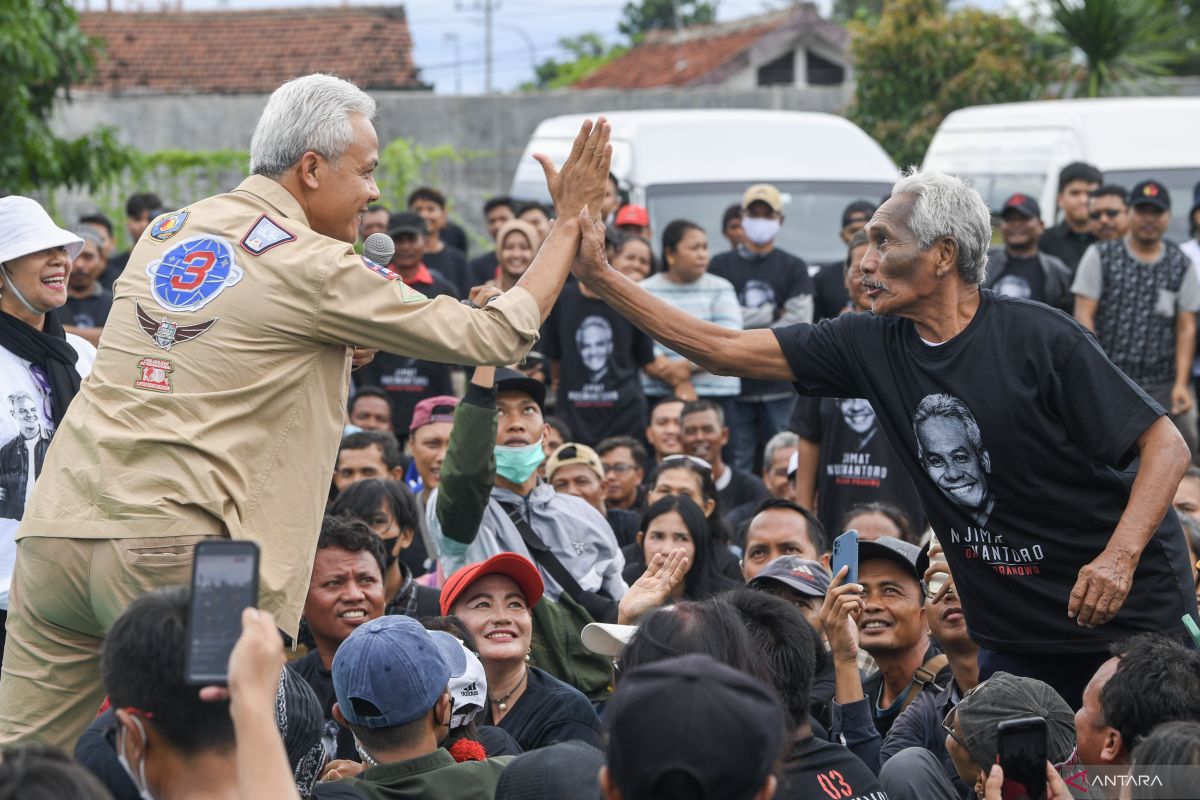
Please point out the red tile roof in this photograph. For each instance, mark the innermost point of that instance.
(228, 52)
(704, 53)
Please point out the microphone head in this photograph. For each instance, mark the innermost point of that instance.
(380, 248)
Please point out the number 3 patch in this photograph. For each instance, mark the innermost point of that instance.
(191, 274)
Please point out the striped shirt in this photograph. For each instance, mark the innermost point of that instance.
(711, 299)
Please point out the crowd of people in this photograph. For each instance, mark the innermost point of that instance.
(550, 520)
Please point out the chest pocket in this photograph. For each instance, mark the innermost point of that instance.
(1164, 303)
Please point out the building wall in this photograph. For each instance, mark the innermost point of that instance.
(497, 127)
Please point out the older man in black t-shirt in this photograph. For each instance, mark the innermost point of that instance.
(1075, 546)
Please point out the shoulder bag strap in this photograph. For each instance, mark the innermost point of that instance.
(542, 554)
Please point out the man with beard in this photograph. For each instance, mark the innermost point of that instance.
(1019, 269)
(1108, 208)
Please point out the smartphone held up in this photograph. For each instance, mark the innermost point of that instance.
(224, 583)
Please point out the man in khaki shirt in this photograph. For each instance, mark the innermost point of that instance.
(218, 396)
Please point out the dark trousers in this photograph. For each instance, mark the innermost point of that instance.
(1067, 673)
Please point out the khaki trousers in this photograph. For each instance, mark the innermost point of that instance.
(65, 595)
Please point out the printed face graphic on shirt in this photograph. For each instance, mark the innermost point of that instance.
(757, 293)
(594, 338)
(25, 412)
(857, 413)
(950, 447)
(1014, 286)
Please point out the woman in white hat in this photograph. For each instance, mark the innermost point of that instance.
(41, 366)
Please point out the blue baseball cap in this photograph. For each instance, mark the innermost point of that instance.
(393, 665)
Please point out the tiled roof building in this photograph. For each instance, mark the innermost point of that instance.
(793, 47)
(231, 52)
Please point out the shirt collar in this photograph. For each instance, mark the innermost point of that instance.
(422, 276)
(438, 759)
(275, 195)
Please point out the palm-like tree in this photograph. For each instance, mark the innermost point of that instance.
(1121, 40)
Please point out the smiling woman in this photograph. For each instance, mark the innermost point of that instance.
(493, 599)
(41, 366)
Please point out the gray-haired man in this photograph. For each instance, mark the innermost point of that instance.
(216, 406)
(1047, 573)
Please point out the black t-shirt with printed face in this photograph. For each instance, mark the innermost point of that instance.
(1024, 464)
(451, 266)
(599, 354)
(857, 464)
(87, 312)
(1022, 278)
(408, 381)
(815, 769)
(767, 280)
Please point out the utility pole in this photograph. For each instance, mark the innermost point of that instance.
(488, 7)
(454, 39)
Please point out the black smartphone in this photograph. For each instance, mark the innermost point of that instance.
(845, 553)
(1022, 754)
(224, 583)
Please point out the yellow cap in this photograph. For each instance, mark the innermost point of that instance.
(765, 193)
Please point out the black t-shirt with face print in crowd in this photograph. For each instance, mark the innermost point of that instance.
(1024, 461)
(599, 354)
(857, 464)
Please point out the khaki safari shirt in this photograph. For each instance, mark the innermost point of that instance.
(218, 395)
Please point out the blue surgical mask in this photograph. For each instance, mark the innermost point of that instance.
(516, 464)
(760, 231)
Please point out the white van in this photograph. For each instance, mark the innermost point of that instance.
(1020, 147)
(693, 164)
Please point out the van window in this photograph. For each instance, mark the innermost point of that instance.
(812, 212)
(998, 188)
(1179, 183)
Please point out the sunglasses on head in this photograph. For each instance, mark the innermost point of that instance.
(691, 461)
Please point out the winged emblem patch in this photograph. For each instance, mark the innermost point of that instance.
(165, 333)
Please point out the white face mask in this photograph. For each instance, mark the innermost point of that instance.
(142, 786)
(760, 231)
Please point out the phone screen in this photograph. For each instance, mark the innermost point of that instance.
(224, 583)
(1022, 751)
(845, 553)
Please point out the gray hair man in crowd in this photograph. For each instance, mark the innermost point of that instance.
(216, 405)
(1076, 550)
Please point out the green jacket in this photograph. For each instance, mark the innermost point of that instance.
(432, 777)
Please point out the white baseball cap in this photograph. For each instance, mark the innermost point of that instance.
(607, 639)
(468, 681)
(26, 228)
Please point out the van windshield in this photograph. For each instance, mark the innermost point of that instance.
(812, 212)
(1179, 183)
(996, 188)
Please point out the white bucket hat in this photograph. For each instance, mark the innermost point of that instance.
(26, 228)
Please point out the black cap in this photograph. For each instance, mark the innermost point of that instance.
(1150, 193)
(855, 209)
(566, 769)
(693, 715)
(510, 380)
(907, 555)
(1023, 204)
(406, 222)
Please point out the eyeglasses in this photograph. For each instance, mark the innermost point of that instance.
(948, 727)
(690, 461)
(1111, 213)
(620, 469)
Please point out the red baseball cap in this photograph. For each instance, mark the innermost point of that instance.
(633, 215)
(433, 409)
(512, 565)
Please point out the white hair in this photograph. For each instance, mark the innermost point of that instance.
(308, 113)
(948, 206)
(776, 443)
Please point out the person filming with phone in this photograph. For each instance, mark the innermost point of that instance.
(217, 400)
(1047, 473)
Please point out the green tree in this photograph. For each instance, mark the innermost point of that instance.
(1121, 40)
(42, 54)
(639, 18)
(918, 62)
(846, 10)
(588, 52)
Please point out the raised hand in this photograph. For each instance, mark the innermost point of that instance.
(650, 591)
(584, 175)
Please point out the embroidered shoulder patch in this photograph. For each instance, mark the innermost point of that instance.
(265, 234)
(167, 225)
(193, 273)
(379, 269)
(154, 374)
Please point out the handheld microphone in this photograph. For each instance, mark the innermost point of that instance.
(380, 248)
